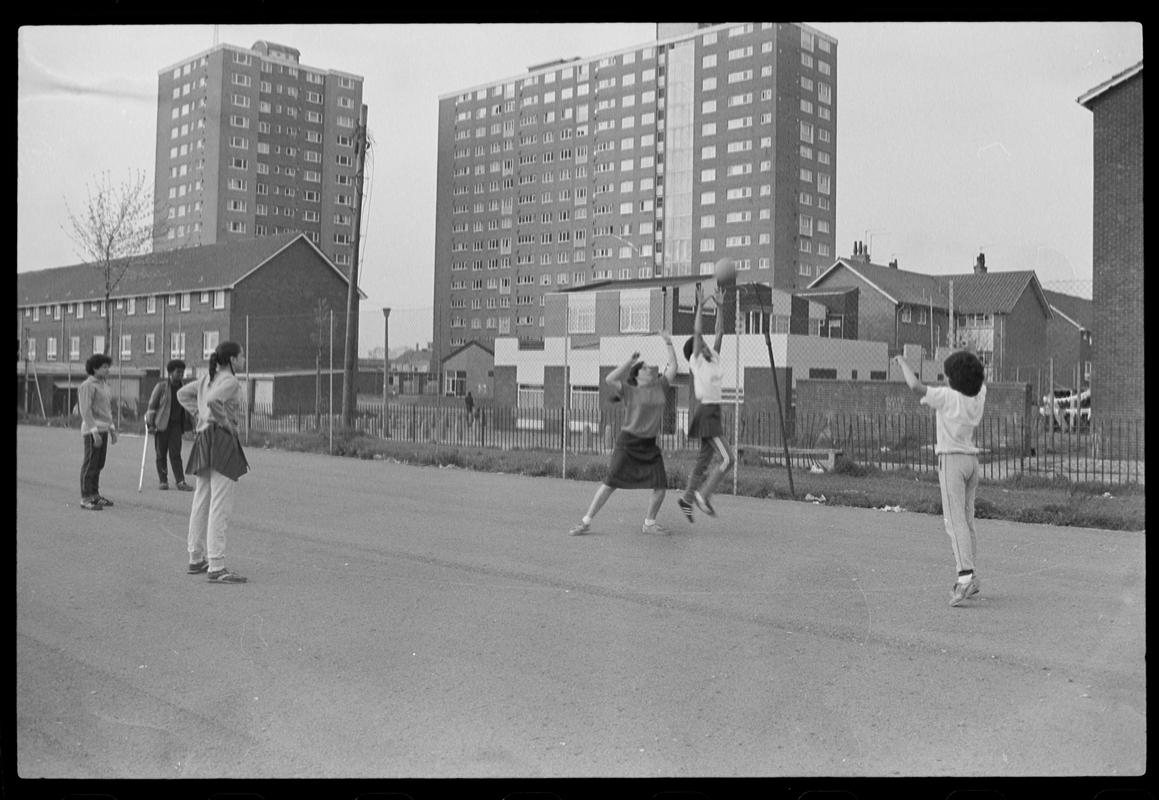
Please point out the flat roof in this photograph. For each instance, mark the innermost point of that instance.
(580, 59)
(1130, 72)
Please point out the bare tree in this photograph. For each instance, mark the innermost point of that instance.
(117, 223)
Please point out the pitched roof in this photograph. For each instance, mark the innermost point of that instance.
(191, 269)
(1091, 94)
(472, 343)
(1077, 310)
(988, 292)
(993, 292)
(898, 285)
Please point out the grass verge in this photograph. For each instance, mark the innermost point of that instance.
(1023, 498)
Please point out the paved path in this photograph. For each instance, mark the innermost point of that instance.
(420, 622)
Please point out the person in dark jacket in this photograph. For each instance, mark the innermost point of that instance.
(217, 460)
(168, 422)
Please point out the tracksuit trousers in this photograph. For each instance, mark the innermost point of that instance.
(958, 475)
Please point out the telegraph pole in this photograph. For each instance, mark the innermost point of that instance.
(350, 368)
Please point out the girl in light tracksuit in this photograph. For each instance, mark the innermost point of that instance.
(959, 408)
(216, 459)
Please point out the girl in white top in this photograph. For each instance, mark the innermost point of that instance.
(216, 459)
(707, 420)
(959, 408)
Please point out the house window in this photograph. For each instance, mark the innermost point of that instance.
(635, 307)
(176, 344)
(74, 348)
(219, 299)
(99, 343)
(455, 381)
(209, 342)
(581, 313)
(126, 346)
(150, 343)
(186, 298)
(906, 316)
(50, 348)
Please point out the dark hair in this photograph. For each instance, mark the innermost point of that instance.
(965, 372)
(95, 362)
(221, 355)
(688, 345)
(634, 372)
(174, 363)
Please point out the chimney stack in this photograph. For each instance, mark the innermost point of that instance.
(893, 264)
(860, 253)
(980, 264)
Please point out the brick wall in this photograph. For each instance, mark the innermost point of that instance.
(890, 397)
(1117, 388)
(280, 300)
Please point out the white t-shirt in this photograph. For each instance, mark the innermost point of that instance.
(707, 377)
(957, 417)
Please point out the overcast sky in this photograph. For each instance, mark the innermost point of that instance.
(951, 137)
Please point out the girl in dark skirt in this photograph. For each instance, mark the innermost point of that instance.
(637, 462)
(216, 459)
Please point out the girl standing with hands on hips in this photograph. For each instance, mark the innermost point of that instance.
(637, 462)
(216, 459)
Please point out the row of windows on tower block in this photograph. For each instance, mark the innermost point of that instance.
(812, 46)
(148, 342)
(583, 112)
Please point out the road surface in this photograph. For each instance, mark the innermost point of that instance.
(417, 622)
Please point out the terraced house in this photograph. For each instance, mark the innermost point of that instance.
(263, 293)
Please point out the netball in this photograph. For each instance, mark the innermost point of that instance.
(725, 272)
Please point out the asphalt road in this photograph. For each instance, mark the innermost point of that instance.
(410, 622)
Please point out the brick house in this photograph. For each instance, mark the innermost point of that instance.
(263, 293)
(1002, 315)
(469, 368)
(1068, 337)
(1117, 363)
(891, 305)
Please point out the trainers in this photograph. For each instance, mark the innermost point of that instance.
(579, 530)
(656, 529)
(184, 487)
(103, 501)
(705, 506)
(963, 591)
(685, 508)
(91, 505)
(224, 576)
(198, 566)
(163, 486)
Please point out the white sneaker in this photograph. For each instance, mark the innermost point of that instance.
(656, 529)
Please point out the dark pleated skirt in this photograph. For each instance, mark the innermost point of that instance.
(218, 449)
(636, 463)
(707, 422)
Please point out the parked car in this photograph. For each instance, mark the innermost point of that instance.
(1066, 409)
